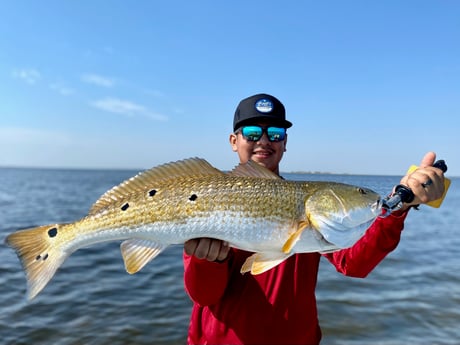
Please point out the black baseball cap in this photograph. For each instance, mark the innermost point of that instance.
(260, 107)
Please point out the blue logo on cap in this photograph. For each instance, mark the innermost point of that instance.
(264, 105)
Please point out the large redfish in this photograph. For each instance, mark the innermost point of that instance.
(251, 208)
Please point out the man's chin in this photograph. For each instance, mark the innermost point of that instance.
(264, 161)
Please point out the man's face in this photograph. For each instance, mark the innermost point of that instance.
(263, 151)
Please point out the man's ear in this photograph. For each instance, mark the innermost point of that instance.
(232, 139)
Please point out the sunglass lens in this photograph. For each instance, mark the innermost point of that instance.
(276, 133)
(252, 133)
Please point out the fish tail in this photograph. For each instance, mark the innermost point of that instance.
(40, 256)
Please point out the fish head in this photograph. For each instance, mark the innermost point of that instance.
(342, 212)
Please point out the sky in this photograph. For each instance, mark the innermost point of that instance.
(370, 86)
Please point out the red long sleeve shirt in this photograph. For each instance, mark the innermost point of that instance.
(278, 306)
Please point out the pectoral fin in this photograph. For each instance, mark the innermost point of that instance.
(292, 240)
(137, 253)
(261, 262)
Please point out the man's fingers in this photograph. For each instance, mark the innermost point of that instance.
(224, 250)
(190, 246)
(202, 249)
(428, 160)
(207, 248)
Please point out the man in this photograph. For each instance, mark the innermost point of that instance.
(279, 306)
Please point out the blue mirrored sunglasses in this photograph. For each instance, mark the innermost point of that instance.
(254, 133)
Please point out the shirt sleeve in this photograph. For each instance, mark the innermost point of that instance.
(380, 239)
(205, 281)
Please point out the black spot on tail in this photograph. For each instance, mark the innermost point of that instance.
(52, 232)
(152, 192)
(40, 257)
(125, 207)
(193, 197)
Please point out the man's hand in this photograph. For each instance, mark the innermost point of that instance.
(207, 248)
(427, 182)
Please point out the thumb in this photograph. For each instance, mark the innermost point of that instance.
(428, 159)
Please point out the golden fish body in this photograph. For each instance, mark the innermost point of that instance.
(251, 208)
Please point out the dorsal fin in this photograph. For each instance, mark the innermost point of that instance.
(191, 167)
(252, 169)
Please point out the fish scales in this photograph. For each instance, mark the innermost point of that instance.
(251, 208)
(237, 204)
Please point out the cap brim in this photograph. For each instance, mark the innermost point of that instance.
(267, 119)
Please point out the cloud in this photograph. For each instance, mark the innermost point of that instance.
(98, 80)
(29, 75)
(62, 89)
(119, 106)
(124, 107)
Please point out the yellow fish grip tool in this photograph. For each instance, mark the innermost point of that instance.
(440, 164)
(404, 194)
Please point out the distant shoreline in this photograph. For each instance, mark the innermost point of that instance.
(330, 173)
(143, 169)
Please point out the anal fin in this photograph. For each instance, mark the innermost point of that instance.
(137, 253)
(261, 262)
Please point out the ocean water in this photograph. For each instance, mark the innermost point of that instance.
(412, 297)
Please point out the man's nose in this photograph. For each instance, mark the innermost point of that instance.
(264, 138)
